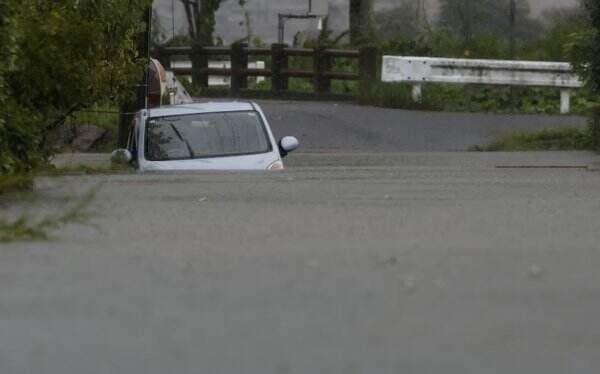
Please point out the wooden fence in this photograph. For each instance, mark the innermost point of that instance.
(278, 70)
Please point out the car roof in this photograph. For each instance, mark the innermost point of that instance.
(210, 107)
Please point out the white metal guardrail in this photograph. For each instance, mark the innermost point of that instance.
(420, 70)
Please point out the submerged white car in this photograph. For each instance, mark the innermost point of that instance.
(205, 136)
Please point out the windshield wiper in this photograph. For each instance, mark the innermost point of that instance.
(187, 144)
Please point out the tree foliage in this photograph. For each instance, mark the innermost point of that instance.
(64, 55)
(18, 135)
(584, 45)
(200, 16)
(592, 68)
(584, 51)
(560, 25)
(406, 20)
(361, 13)
(472, 18)
(593, 7)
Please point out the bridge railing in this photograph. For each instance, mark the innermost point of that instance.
(278, 69)
(421, 70)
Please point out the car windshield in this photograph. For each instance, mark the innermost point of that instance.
(205, 135)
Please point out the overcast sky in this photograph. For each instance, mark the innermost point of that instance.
(537, 6)
(263, 15)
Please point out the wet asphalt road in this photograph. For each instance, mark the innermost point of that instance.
(408, 263)
(327, 127)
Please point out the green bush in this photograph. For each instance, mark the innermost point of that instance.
(57, 58)
(394, 95)
(566, 35)
(553, 43)
(595, 130)
(15, 182)
(459, 98)
(585, 52)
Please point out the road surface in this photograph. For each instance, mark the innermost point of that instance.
(410, 263)
(335, 127)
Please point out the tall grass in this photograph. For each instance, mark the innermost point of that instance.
(550, 139)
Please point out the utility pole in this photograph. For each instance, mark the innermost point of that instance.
(360, 20)
(467, 23)
(513, 25)
(512, 13)
(172, 20)
(422, 16)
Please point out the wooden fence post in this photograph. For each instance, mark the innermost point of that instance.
(279, 64)
(239, 64)
(367, 63)
(199, 63)
(322, 65)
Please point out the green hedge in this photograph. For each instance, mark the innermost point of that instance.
(94, 59)
(595, 130)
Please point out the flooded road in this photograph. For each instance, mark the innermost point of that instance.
(433, 265)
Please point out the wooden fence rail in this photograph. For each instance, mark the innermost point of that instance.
(321, 74)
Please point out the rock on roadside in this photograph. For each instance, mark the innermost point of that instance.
(75, 138)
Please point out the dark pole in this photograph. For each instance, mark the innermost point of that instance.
(513, 24)
(172, 19)
(355, 21)
(367, 63)
(239, 64)
(279, 64)
(467, 34)
(281, 29)
(512, 48)
(144, 51)
(468, 29)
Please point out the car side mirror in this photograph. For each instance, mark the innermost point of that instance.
(288, 144)
(121, 156)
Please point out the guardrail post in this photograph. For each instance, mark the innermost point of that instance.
(367, 62)
(565, 100)
(239, 63)
(322, 65)
(469, 97)
(199, 64)
(279, 64)
(417, 92)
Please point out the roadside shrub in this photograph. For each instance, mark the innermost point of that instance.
(551, 139)
(57, 58)
(595, 130)
(20, 139)
(15, 182)
(460, 98)
(397, 96)
(585, 54)
(553, 44)
(402, 46)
